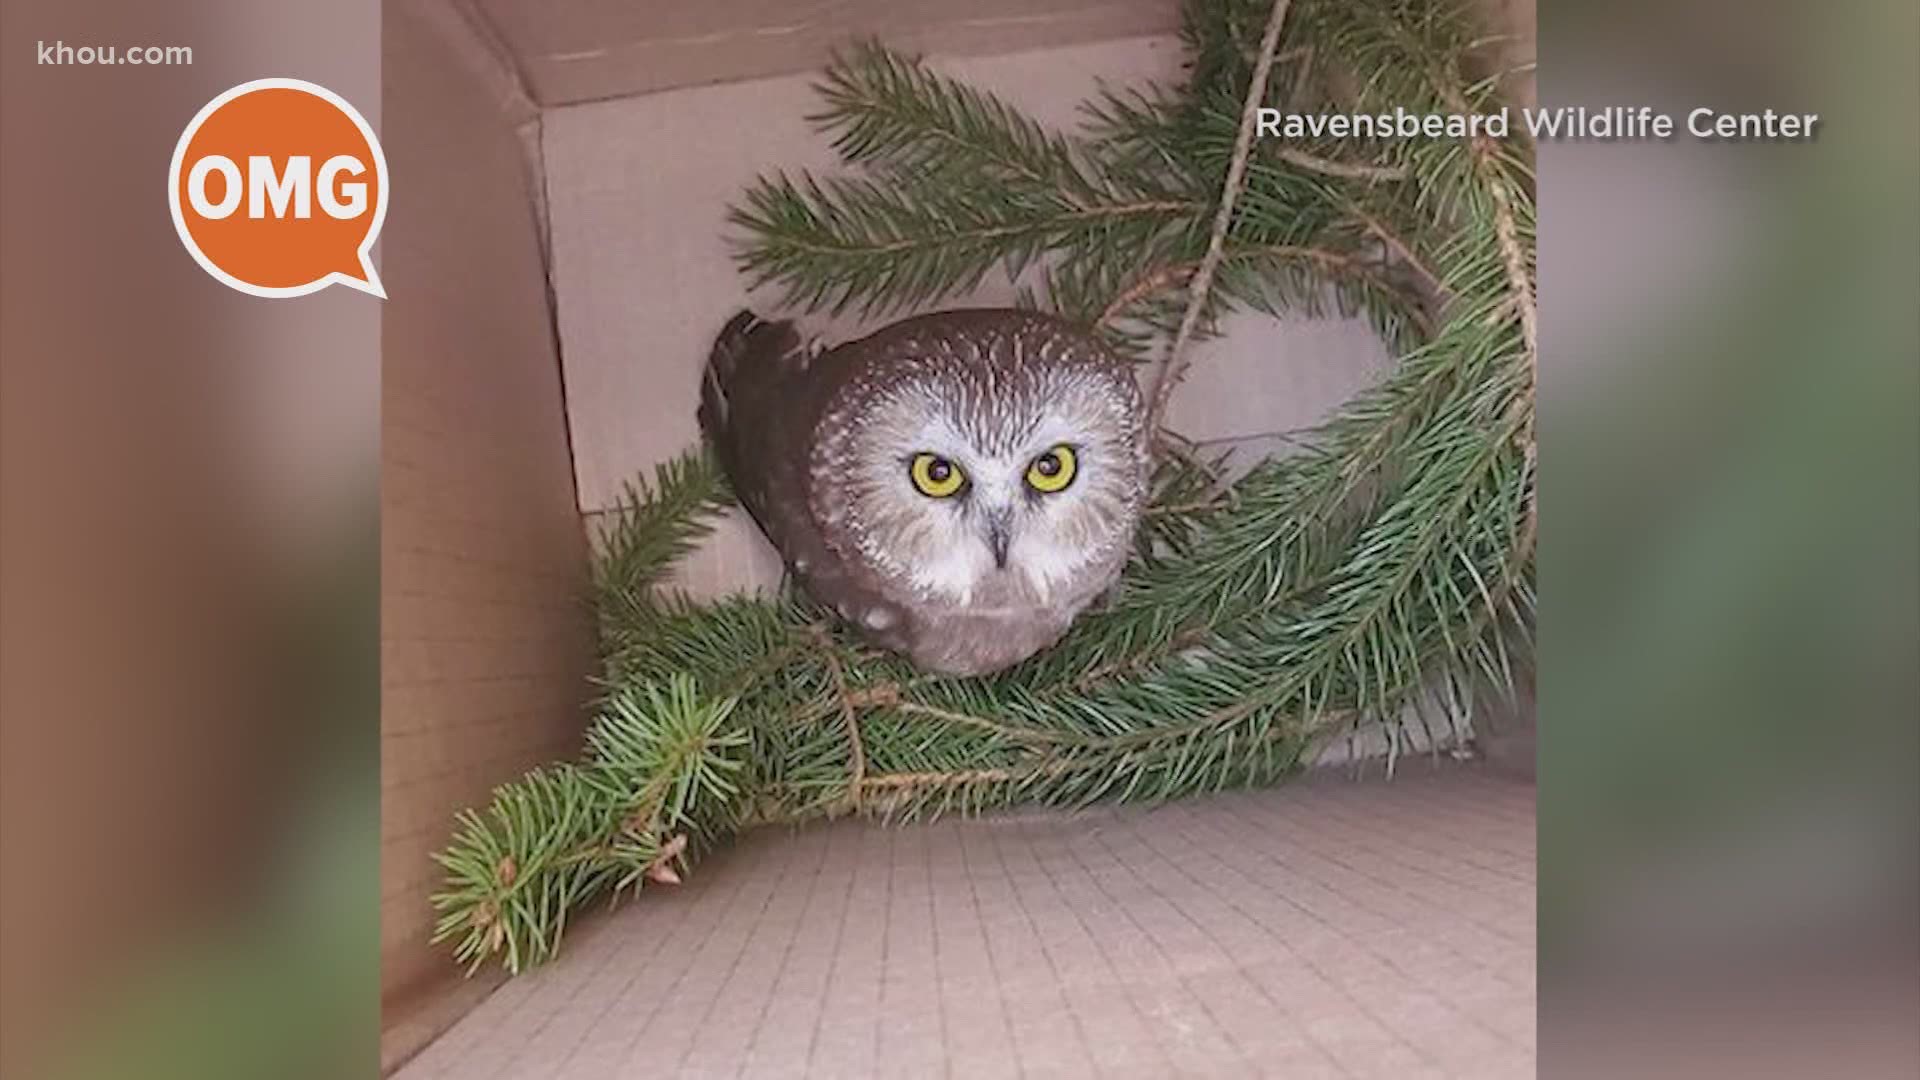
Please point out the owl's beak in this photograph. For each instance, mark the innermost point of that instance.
(999, 534)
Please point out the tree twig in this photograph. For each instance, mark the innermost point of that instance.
(931, 712)
(1164, 277)
(1340, 169)
(1093, 676)
(1177, 360)
(957, 777)
(1146, 285)
(1506, 233)
(1218, 502)
(888, 695)
(857, 768)
(1401, 249)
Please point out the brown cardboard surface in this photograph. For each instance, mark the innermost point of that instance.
(585, 50)
(485, 644)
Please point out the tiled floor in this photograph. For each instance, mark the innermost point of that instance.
(1327, 928)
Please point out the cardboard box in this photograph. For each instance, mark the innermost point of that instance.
(561, 177)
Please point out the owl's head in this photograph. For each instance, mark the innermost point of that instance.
(990, 469)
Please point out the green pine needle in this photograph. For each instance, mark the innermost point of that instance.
(661, 763)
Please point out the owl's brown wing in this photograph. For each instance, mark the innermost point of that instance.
(759, 403)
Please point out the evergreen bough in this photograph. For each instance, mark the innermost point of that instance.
(1381, 573)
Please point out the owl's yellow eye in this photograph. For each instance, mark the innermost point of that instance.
(935, 476)
(1053, 470)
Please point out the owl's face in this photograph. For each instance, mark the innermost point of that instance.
(983, 487)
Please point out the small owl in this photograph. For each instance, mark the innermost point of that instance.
(959, 486)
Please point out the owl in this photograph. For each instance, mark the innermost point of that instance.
(958, 486)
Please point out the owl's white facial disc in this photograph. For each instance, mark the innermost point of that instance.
(1001, 539)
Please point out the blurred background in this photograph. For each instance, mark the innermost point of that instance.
(1730, 755)
(188, 762)
(1729, 824)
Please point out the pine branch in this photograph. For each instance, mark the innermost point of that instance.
(838, 242)
(1341, 169)
(649, 526)
(888, 109)
(660, 768)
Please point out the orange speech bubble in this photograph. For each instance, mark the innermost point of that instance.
(278, 188)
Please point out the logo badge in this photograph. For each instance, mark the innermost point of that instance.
(278, 188)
